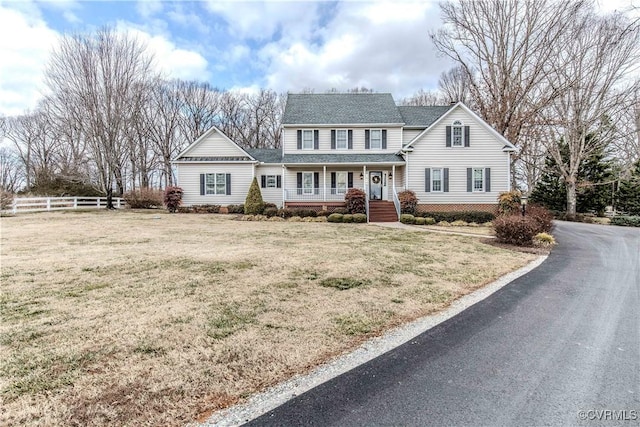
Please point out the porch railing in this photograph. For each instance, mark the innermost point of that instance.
(315, 194)
(396, 201)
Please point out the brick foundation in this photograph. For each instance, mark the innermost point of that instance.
(316, 206)
(458, 207)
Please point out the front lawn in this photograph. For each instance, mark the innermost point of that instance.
(133, 317)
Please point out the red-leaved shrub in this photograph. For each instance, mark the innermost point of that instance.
(355, 200)
(143, 198)
(408, 202)
(172, 198)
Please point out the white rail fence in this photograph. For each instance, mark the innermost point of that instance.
(39, 204)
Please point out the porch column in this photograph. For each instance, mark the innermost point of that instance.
(393, 172)
(284, 185)
(324, 183)
(364, 179)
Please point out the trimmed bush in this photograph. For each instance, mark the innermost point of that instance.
(335, 217)
(459, 223)
(340, 211)
(468, 216)
(144, 198)
(304, 213)
(295, 219)
(347, 218)
(320, 219)
(420, 220)
(509, 202)
(285, 213)
(544, 240)
(429, 221)
(270, 205)
(254, 204)
(444, 224)
(515, 230)
(235, 209)
(626, 221)
(270, 212)
(408, 202)
(407, 219)
(359, 218)
(323, 213)
(542, 217)
(355, 200)
(205, 208)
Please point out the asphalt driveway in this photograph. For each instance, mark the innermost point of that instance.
(558, 346)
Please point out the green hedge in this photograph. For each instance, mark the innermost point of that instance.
(479, 217)
(626, 221)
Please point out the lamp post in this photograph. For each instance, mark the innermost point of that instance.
(523, 202)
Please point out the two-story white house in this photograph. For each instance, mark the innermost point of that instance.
(447, 155)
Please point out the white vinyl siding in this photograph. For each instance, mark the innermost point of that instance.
(188, 176)
(409, 134)
(485, 151)
(394, 140)
(272, 194)
(214, 145)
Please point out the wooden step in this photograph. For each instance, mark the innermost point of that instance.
(382, 211)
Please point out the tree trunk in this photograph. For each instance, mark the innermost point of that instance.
(571, 199)
(110, 198)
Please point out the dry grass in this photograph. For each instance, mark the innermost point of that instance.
(145, 318)
(479, 230)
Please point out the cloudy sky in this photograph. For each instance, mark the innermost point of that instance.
(241, 45)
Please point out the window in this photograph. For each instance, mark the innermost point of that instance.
(478, 179)
(307, 139)
(341, 182)
(436, 179)
(341, 139)
(307, 182)
(216, 183)
(375, 139)
(271, 181)
(457, 135)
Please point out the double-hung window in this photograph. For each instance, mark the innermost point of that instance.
(375, 141)
(436, 179)
(341, 139)
(271, 181)
(307, 139)
(341, 182)
(215, 183)
(307, 182)
(478, 179)
(457, 134)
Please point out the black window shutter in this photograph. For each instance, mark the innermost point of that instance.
(228, 184)
(279, 181)
(316, 182)
(263, 181)
(350, 180)
(316, 139)
(299, 178)
(333, 183)
(469, 179)
(445, 180)
(384, 139)
(350, 139)
(299, 139)
(467, 139)
(333, 139)
(366, 139)
(448, 144)
(427, 180)
(487, 179)
(202, 184)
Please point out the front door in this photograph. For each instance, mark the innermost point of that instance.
(375, 185)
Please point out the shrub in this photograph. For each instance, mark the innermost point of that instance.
(320, 219)
(626, 221)
(341, 211)
(407, 219)
(468, 216)
(515, 230)
(355, 200)
(285, 213)
(295, 219)
(444, 224)
(408, 202)
(235, 209)
(205, 208)
(254, 204)
(542, 217)
(429, 221)
(6, 200)
(323, 213)
(276, 218)
(270, 205)
(420, 220)
(144, 198)
(335, 217)
(544, 240)
(509, 202)
(304, 213)
(359, 218)
(347, 218)
(270, 212)
(459, 223)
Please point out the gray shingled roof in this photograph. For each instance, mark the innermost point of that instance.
(340, 108)
(214, 159)
(266, 155)
(423, 117)
(341, 158)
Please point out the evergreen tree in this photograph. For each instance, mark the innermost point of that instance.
(629, 192)
(253, 204)
(550, 190)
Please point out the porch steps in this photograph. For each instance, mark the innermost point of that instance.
(382, 211)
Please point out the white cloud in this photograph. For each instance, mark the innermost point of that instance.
(148, 8)
(25, 44)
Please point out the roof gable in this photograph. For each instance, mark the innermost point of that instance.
(507, 146)
(229, 149)
(341, 109)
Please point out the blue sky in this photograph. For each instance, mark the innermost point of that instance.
(237, 45)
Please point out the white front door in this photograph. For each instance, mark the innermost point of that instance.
(375, 185)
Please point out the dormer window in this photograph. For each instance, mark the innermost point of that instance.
(457, 134)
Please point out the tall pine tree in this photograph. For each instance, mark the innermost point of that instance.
(629, 192)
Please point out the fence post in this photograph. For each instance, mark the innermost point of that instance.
(15, 205)
(75, 203)
(48, 204)
(118, 202)
(98, 203)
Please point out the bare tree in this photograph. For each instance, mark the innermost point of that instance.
(455, 85)
(97, 76)
(11, 171)
(200, 108)
(424, 98)
(598, 55)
